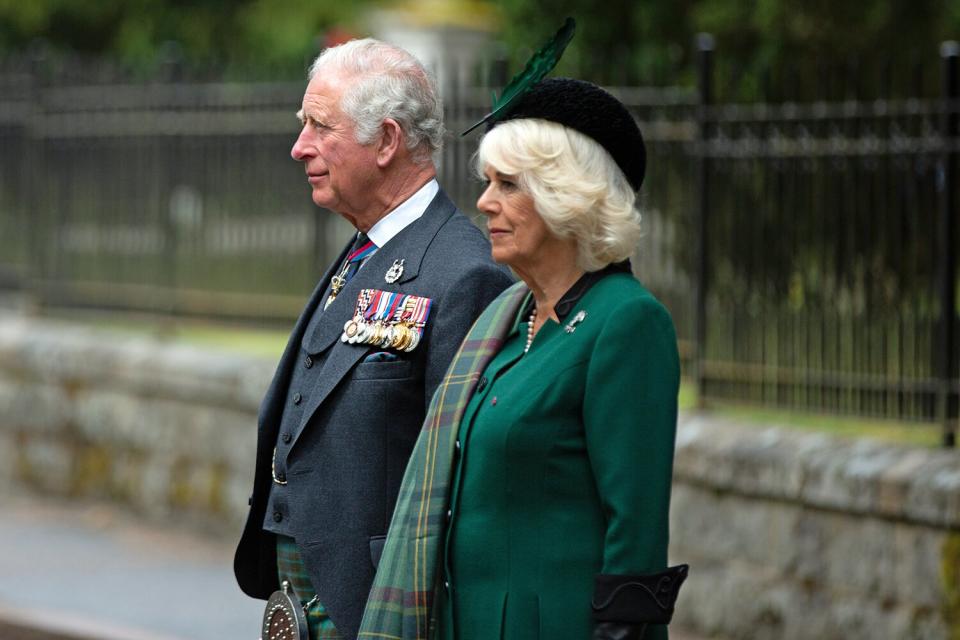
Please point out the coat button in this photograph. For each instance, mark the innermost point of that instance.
(449, 515)
(281, 477)
(297, 398)
(308, 362)
(482, 384)
(456, 445)
(277, 516)
(286, 438)
(446, 585)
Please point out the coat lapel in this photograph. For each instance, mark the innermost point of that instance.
(409, 245)
(271, 408)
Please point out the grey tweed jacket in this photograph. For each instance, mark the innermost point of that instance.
(348, 457)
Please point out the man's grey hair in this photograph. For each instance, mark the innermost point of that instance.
(387, 82)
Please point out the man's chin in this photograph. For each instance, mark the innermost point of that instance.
(322, 200)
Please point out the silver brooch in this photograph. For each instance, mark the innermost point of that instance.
(394, 272)
(577, 319)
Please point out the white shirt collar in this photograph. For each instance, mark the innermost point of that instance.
(408, 211)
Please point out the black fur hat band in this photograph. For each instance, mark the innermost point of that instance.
(587, 108)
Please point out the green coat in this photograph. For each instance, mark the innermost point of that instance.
(563, 469)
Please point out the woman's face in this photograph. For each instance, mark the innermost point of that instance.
(518, 235)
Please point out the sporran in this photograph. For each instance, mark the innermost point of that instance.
(284, 618)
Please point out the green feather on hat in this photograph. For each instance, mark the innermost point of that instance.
(538, 66)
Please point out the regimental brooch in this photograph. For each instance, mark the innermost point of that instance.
(394, 272)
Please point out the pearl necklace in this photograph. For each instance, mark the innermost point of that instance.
(533, 317)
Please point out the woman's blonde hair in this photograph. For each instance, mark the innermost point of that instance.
(576, 186)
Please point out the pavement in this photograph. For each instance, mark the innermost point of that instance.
(82, 571)
(94, 572)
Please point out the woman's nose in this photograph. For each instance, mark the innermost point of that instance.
(485, 203)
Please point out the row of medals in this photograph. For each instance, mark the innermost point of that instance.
(403, 336)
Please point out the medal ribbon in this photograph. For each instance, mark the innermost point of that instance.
(372, 310)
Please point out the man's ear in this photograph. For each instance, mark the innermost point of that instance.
(391, 141)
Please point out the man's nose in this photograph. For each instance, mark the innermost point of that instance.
(301, 148)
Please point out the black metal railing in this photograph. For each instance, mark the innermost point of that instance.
(827, 248)
(804, 240)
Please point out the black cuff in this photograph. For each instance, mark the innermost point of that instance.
(638, 599)
(618, 631)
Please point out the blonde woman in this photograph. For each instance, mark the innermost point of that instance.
(537, 500)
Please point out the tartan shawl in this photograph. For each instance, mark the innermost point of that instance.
(399, 606)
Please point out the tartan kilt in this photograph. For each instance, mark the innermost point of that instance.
(290, 567)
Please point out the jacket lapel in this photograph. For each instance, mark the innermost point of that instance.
(409, 245)
(272, 406)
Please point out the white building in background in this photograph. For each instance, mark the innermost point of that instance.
(449, 36)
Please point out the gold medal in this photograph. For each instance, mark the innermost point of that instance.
(399, 336)
(386, 337)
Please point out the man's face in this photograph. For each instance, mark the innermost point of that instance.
(341, 171)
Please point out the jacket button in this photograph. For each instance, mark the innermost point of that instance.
(297, 398)
(449, 515)
(281, 477)
(277, 516)
(286, 438)
(482, 384)
(308, 362)
(446, 585)
(456, 445)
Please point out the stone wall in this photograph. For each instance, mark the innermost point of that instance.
(796, 535)
(789, 535)
(165, 429)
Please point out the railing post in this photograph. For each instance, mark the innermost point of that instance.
(40, 231)
(947, 349)
(705, 46)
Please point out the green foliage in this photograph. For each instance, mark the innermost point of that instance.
(257, 34)
(617, 41)
(652, 41)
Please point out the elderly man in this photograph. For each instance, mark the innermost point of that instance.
(351, 390)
